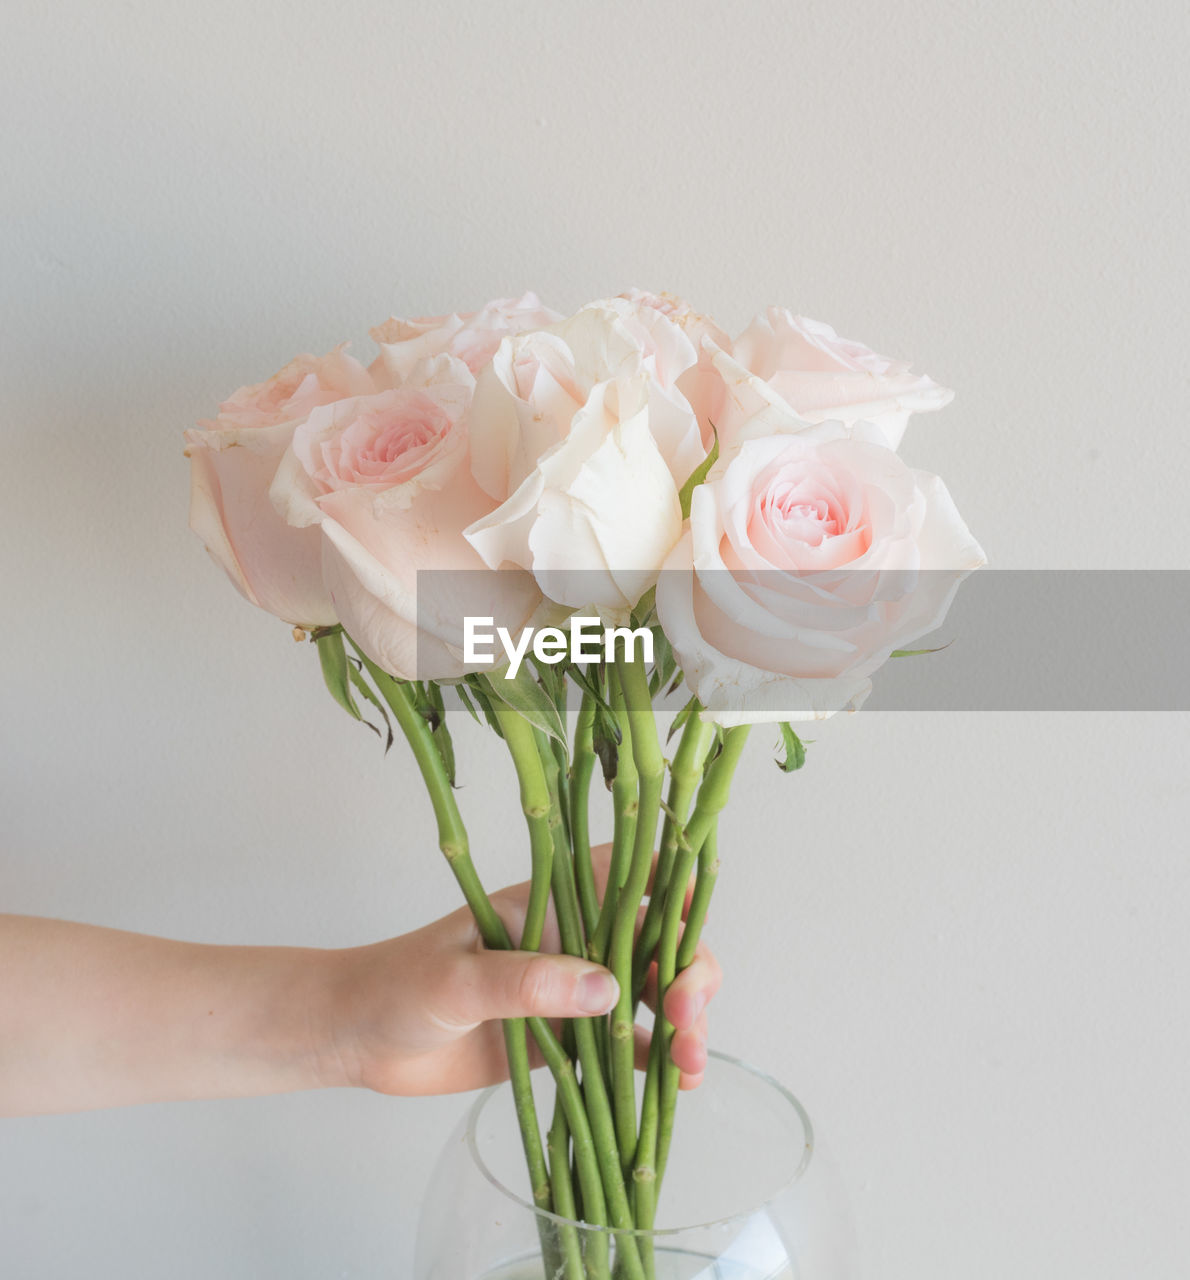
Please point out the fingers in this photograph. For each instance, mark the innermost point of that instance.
(686, 1010)
(521, 984)
(688, 1051)
(518, 984)
(693, 989)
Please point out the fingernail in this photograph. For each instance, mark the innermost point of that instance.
(597, 992)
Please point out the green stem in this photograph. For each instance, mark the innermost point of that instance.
(561, 1067)
(589, 1126)
(644, 1176)
(684, 775)
(581, 771)
(650, 768)
(562, 1188)
(535, 805)
(704, 885)
(708, 873)
(562, 763)
(712, 797)
(580, 792)
(516, 1049)
(566, 904)
(625, 802)
(594, 1087)
(645, 1172)
(452, 840)
(452, 834)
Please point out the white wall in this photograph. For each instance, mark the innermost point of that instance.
(977, 920)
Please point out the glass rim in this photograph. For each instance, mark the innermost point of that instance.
(652, 1232)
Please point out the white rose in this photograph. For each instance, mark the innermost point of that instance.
(701, 385)
(583, 437)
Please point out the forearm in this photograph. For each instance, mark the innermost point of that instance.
(94, 1017)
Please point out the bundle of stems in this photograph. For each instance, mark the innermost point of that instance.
(601, 1161)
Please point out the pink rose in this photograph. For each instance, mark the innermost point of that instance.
(385, 479)
(812, 554)
(472, 336)
(232, 464)
(807, 366)
(584, 439)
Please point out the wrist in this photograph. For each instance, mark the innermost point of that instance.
(332, 1019)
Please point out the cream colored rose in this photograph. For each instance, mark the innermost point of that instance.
(788, 359)
(812, 554)
(701, 384)
(233, 460)
(584, 439)
(471, 337)
(384, 480)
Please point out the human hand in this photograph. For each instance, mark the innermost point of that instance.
(420, 1014)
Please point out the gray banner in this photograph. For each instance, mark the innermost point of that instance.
(1007, 640)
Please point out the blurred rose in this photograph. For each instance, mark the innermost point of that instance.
(805, 365)
(472, 336)
(385, 478)
(812, 554)
(232, 463)
(584, 439)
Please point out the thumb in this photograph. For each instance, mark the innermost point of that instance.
(526, 984)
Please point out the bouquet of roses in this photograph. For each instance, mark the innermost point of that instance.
(511, 507)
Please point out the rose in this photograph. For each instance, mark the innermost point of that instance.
(472, 336)
(584, 439)
(385, 479)
(812, 554)
(233, 460)
(701, 385)
(790, 360)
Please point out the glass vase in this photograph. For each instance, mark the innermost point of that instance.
(747, 1195)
